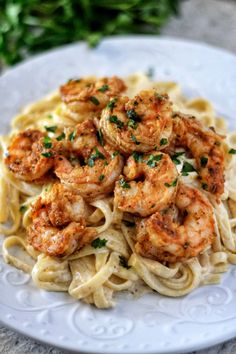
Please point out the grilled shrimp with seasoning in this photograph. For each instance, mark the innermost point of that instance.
(59, 222)
(149, 185)
(93, 167)
(138, 124)
(87, 97)
(165, 237)
(206, 147)
(28, 159)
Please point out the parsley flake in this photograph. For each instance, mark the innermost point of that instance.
(97, 155)
(112, 103)
(61, 137)
(172, 184)
(232, 151)
(124, 263)
(205, 186)
(103, 88)
(100, 137)
(98, 243)
(115, 120)
(123, 183)
(47, 154)
(187, 168)
(114, 154)
(163, 141)
(23, 208)
(203, 161)
(94, 100)
(72, 136)
(134, 139)
(47, 142)
(175, 159)
(101, 178)
(138, 156)
(152, 160)
(51, 129)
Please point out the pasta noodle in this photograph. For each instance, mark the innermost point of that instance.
(93, 274)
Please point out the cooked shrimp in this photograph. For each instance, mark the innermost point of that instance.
(206, 147)
(154, 187)
(89, 96)
(26, 156)
(59, 222)
(93, 168)
(138, 124)
(163, 238)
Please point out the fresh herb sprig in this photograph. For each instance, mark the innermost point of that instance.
(33, 26)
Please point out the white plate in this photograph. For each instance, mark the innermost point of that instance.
(152, 324)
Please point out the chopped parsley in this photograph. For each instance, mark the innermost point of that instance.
(175, 159)
(159, 96)
(97, 155)
(47, 142)
(132, 124)
(152, 160)
(72, 136)
(138, 156)
(131, 114)
(47, 154)
(61, 136)
(51, 129)
(172, 184)
(98, 243)
(232, 151)
(134, 139)
(187, 168)
(101, 178)
(124, 263)
(163, 141)
(115, 120)
(123, 183)
(114, 154)
(103, 88)
(203, 161)
(94, 100)
(50, 116)
(100, 137)
(112, 103)
(205, 186)
(23, 208)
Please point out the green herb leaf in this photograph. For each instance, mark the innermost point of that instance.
(47, 142)
(97, 155)
(205, 186)
(115, 120)
(163, 141)
(51, 129)
(132, 124)
(132, 114)
(112, 103)
(47, 154)
(232, 151)
(124, 263)
(123, 183)
(172, 184)
(114, 154)
(203, 161)
(99, 243)
(61, 136)
(72, 136)
(138, 156)
(187, 168)
(101, 178)
(159, 96)
(100, 137)
(175, 159)
(94, 100)
(134, 139)
(153, 159)
(103, 88)
(23, 208)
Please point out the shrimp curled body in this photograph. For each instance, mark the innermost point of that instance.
(94, 168)
(155, 192)
(162, 238)
(59, 223)
(139, 124)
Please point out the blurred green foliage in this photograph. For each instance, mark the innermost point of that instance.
(29, 26)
